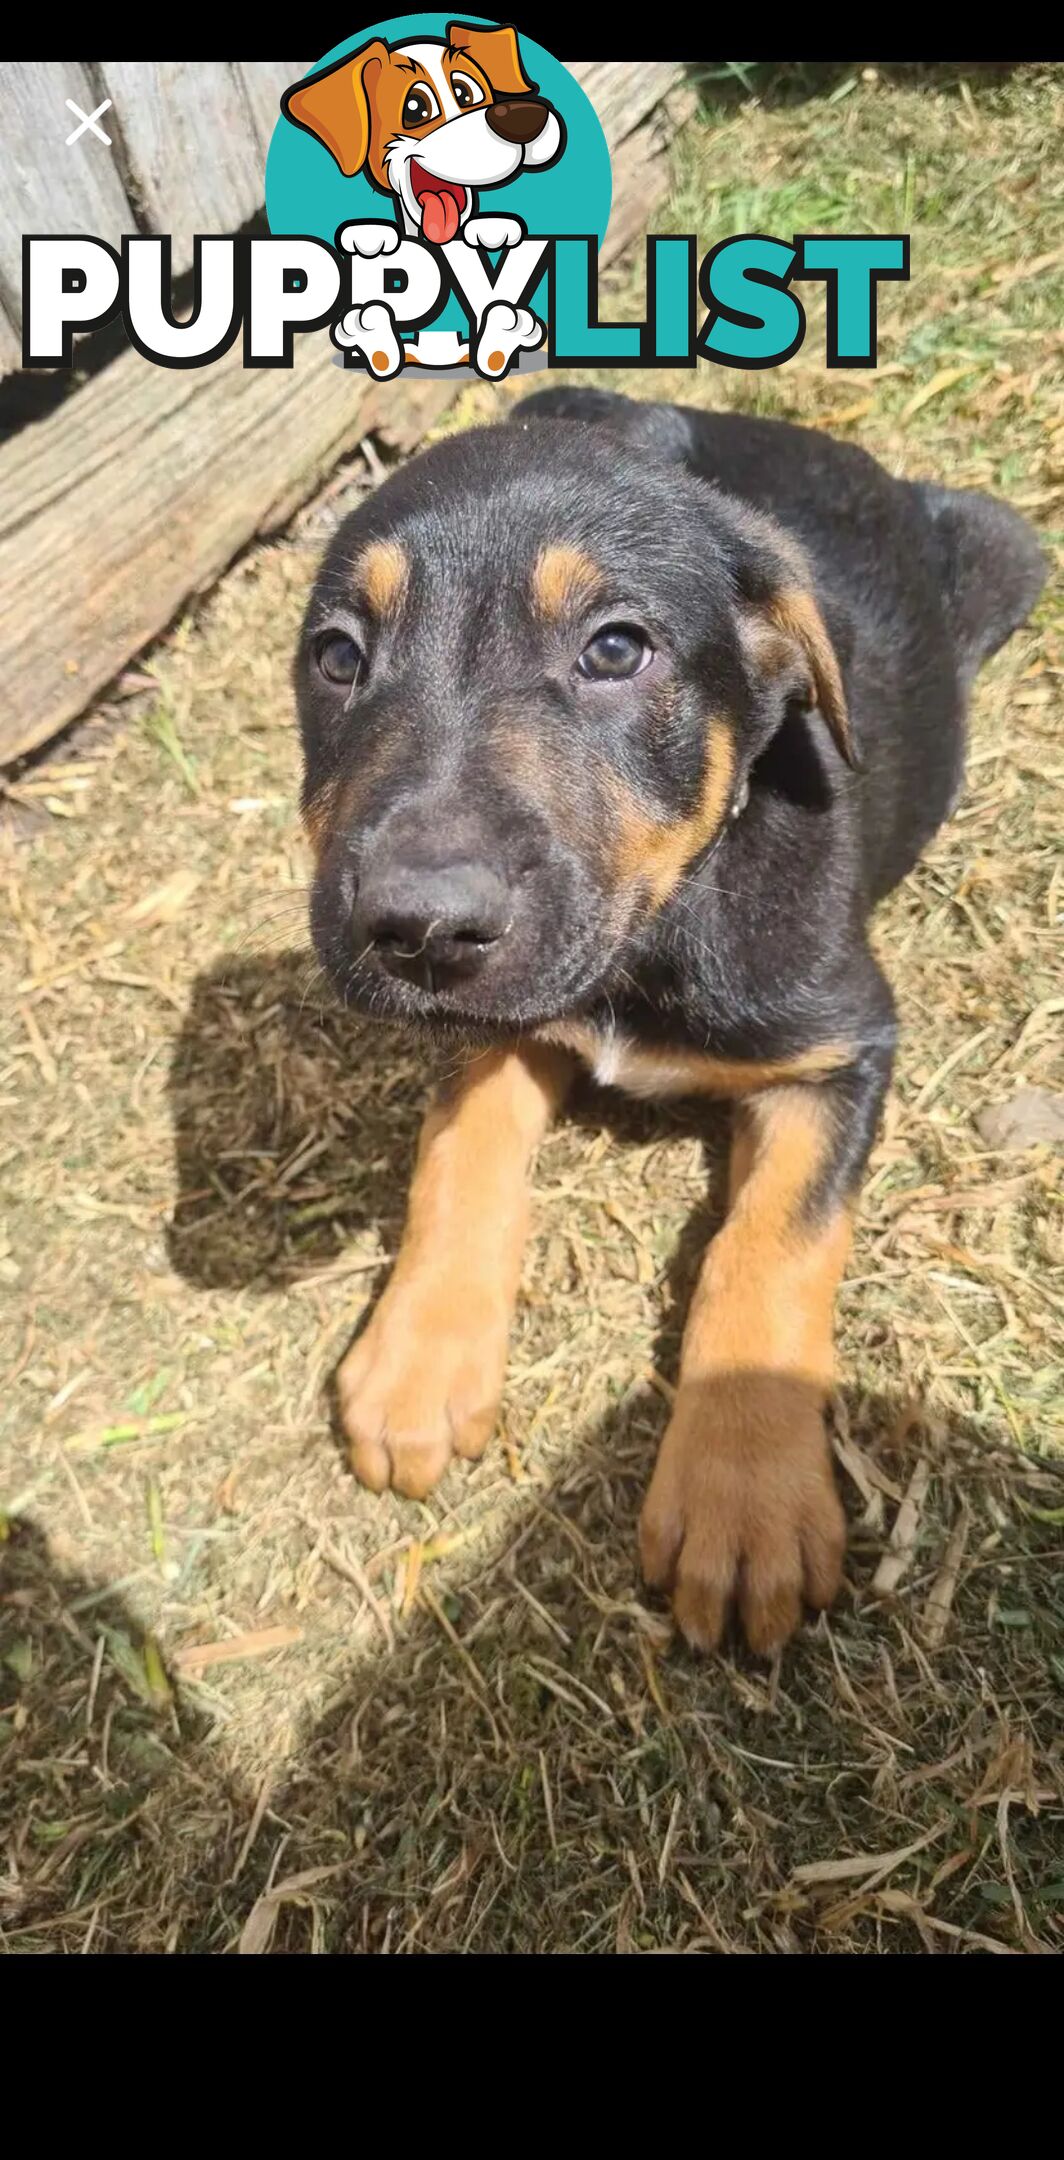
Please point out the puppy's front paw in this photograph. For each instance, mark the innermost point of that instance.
(420, 1385)
(370, 330)
(369, 239)
(742, 1506)
(493, 232)
(504, 331)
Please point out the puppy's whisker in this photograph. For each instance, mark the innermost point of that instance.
(280, 918)
(692, 927)
(354, 965)
(685, 941)
(317, 975)
(707, 888)
(271, 938)
(630, 983)
(417, 950)
(290, 905)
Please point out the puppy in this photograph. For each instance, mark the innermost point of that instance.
(431, 121)
(618, 720)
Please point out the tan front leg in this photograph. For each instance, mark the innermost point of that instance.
(424, 1379)
(742, 1504)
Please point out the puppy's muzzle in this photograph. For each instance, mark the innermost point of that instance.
(431, 924)
(517, 122)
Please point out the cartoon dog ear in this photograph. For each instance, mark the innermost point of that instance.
(783, 630)
(334, 105)
(496, 52)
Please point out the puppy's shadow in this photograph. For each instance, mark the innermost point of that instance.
(507, 1781)
(295, 1126)
(634, 1124)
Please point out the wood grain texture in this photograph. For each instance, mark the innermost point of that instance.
(46, 186)
(193, 157)
(263, 82)
(136, 494)
(10, 342)
(623, 94)
(640, 175)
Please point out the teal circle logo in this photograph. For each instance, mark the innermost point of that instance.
(464, 139)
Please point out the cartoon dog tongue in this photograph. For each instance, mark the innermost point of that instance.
(439, 217)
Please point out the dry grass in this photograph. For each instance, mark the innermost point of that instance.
(458, 1724)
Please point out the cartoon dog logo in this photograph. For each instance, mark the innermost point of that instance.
(432, 122)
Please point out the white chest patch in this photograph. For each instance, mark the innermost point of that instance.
(616, 1062)
(607, 1058)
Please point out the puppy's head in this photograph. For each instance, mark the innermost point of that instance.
(534, 674)
(431, 120)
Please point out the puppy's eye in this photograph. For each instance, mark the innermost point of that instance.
(466, 92)
(420, 106)
(338, 657)
(618, 650)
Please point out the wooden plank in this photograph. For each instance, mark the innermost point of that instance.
(623, 95)
(192, 153)
(10, 343)
(640, 175)
(48, 187)
(142, 487)
(263, 82)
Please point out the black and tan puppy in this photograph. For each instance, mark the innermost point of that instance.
(618, 720)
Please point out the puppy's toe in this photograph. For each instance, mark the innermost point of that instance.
(504, 331)
(369, 239)
(493, 232)
(371, 331)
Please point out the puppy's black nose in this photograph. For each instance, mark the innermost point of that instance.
(517, 122)
(432, 925)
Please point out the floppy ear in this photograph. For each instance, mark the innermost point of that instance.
(496, 52)
(793, 612)
(334, 105)
(784, 631)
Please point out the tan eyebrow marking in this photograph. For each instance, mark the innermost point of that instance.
(561, 575)
(381, 575)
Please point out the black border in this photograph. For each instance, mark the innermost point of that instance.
(164, 243)
(70, 330)
(292, 330)
(752, 277)
(356, 363)
(544, 268)
(646, 357)
(831, 279)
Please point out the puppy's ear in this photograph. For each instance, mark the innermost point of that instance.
(496, 52)
(783, 630)
(334, 105)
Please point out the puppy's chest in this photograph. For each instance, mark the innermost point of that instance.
(615, 1059)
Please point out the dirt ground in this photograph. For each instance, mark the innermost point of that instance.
(243, 1703)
